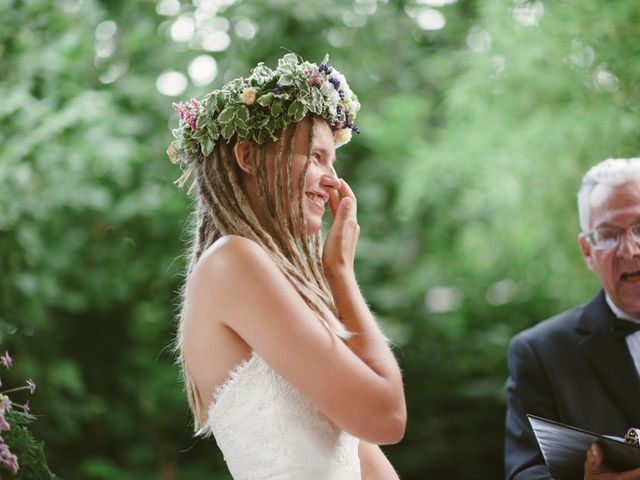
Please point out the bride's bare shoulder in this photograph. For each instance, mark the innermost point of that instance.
(229, 257)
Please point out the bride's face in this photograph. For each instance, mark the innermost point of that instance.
(320, 177)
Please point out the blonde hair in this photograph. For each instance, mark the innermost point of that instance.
(223, 208)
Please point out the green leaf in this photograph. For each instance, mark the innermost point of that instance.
(200, 133)
(271, 124)
(297, 110)
(202, 121)
(289, 59)
(214, 133)
(265, 100)
(207, 146)
(276, 108)
(286, 79)
(242, 132)
(227, 115)
(262, 121)
(228, 131)
(281, 122)
(316, 101)
(242, 113)
(220, 100)
(287, 70)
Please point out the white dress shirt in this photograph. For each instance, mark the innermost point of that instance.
(633, 340)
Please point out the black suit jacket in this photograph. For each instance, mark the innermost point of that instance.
(569, 368)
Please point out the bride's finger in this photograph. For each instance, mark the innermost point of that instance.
(334, 201)
(345, 190)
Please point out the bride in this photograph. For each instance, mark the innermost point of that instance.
(282, 360)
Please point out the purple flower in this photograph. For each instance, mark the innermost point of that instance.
(6, 359)
(26, 408)
(31, 386)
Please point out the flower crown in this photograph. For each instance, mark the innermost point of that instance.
(254, 108)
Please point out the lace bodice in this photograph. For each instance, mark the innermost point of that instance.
(266, 429)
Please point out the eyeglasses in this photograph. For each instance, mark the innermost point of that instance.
(604, 238)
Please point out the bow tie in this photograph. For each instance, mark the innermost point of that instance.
(621, 328)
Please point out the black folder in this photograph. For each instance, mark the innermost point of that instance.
(564, 449)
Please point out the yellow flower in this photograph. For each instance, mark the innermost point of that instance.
(249, 96)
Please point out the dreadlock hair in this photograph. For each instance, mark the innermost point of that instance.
(223, 208)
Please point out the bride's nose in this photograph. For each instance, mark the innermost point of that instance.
(330, 180)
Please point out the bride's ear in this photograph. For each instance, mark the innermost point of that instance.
(242, 152)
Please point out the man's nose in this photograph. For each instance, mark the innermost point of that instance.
(628, 247)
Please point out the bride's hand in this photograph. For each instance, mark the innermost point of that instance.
(340, 246)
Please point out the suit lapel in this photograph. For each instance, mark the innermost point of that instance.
(610, 357)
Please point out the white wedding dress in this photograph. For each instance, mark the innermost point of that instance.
(266, 429)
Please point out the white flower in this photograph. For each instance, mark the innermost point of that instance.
(344, 86)
(331, 94)
(342, 137)
(354, 107)
(249, 95)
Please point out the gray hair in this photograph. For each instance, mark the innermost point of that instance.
(612, 172)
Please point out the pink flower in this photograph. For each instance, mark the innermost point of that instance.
(5, 403)
(189, 112)
(7, 459)
(31, 386)
(4, 425)
(6, 359)
(315, 78)
(26, 408)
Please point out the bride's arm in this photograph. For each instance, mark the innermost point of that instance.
(373, 463)
(357, 384)
(367, 342)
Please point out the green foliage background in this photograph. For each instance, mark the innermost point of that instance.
(474, 139)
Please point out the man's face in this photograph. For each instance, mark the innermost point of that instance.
(619, 266)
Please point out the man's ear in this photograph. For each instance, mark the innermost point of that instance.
(242, 152)
(587, 250)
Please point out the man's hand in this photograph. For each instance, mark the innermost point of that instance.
(595, 469)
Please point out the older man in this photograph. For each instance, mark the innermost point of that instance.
(582, 367)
